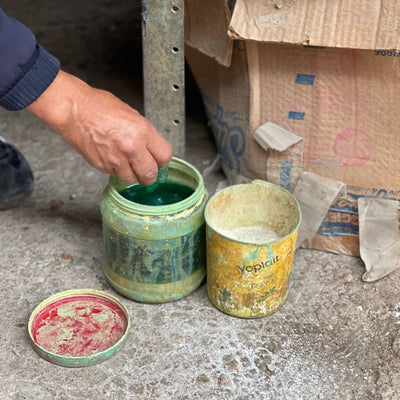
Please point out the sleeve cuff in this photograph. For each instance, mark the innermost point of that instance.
(33, 83)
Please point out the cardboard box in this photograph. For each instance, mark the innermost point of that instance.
(326, 70)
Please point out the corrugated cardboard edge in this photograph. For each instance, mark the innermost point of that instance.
(209, 35)
(388, 21)
(361, 24)
(326, 23)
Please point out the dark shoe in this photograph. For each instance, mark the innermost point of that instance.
(16, 178)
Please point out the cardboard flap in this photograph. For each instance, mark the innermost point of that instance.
(206, 25)
(372, 24)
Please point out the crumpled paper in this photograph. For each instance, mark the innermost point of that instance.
(315, 195)
(379, 236)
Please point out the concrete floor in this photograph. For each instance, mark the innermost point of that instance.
(335, 338)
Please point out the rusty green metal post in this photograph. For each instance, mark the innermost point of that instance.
(163, 69)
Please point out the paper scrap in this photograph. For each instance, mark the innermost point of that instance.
(379, 236)
(285, 154)
(273, 136)
(315, 195)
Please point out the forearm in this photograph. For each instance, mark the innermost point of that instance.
(108, 133)
(56, 105)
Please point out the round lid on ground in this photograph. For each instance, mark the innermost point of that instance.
(78, 327)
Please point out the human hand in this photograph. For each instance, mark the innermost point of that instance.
(108, 133)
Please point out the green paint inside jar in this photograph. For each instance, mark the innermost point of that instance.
(163, 194)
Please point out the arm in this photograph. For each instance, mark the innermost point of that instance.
(109, 134)
(26, 69)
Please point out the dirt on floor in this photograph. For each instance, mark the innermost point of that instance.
(335, 338)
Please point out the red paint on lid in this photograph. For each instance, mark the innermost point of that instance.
(79, 325)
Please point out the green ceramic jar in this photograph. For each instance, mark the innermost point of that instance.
(155, 253)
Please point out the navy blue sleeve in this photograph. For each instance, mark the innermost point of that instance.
(26, 68)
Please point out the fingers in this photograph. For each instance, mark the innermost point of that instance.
(111, 136)
(161, 150)
(125, 173)
(150, 154)
(145, 168)
(130, 161)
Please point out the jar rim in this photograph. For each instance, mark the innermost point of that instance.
(176, 164)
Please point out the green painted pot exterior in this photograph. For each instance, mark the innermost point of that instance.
(155, 254)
